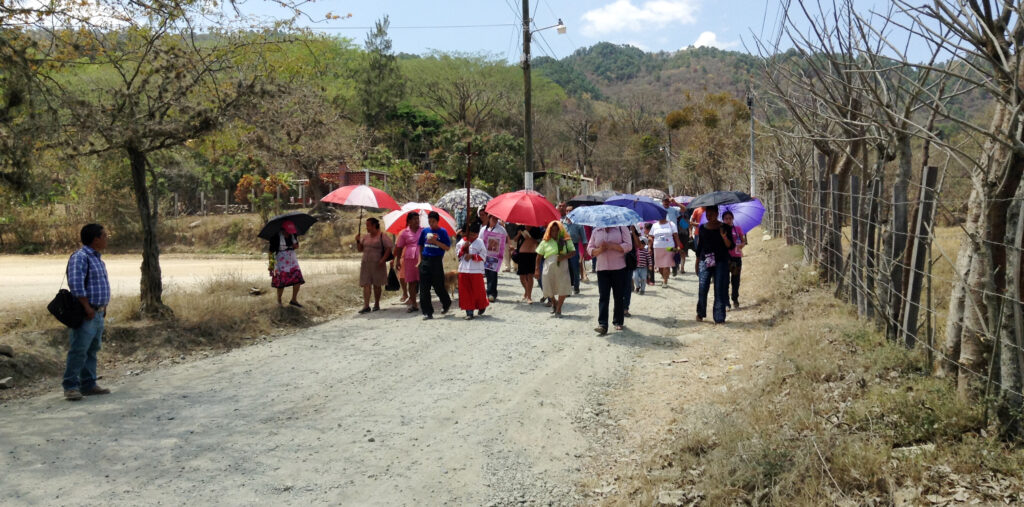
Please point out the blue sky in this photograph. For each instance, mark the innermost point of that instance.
(650, 25)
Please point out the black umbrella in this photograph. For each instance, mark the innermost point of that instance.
(718, 198)
(591, 199)
(302, 221)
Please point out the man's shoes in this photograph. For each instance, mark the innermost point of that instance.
(481, 311)
(736, 303)
(95, 391)
(576, 291)
(428, 317)
(412, 309)
(445, 310)
(491, 298)
(295, 304)
(365, 310)
(72, 394)
(627, 314)
(376, 308)
(601, 330)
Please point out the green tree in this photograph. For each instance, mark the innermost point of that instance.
(381, 86)
(149, 87)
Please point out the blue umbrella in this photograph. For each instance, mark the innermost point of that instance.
(647, 208)
(604, 215)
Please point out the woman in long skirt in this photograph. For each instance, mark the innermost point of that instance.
(284, 270)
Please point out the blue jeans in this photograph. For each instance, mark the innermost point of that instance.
(574, 270)
(719, 273)
(80, 372)
(640, 279)
(614, 283)
(491, 277)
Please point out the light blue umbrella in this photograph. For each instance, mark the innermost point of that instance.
(604, 215)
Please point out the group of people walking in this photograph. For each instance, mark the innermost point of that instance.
(626, 260)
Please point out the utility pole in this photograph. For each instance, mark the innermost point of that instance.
(750, 106)
(528, 100)
(469, 173)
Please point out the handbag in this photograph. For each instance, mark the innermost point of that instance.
(393, 283)
(65, 307)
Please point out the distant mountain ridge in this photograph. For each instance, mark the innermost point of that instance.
(615, 71)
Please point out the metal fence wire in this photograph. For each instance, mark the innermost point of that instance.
(880, 252)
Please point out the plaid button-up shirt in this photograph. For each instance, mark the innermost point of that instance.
(87, 276)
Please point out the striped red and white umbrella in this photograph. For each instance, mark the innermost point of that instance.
(394, 221)
(361, 195)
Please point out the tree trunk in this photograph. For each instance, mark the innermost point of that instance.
(947, 366)
(1011, 404)
(150, 285)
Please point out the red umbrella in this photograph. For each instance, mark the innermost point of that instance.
(524, 207)
(394, 222)
(361, 195)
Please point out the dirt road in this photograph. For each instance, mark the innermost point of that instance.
(35, 278)
(385, 409)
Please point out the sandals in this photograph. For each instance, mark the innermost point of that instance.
(365, 310)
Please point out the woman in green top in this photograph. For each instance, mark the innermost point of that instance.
(555, 250)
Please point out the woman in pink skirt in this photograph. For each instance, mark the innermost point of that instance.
(407, 253)
(665, 235)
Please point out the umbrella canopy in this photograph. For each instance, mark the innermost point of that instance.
(683, 200)
(302, 221)
(361, 195)
(586, 200)
(604, 215)
(456, 199)
(524, 207)
(647, 208)
(719, 198)
(653, 193)
(747, 215)
(394, 221)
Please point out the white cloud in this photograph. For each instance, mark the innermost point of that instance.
(624, 16)
(709, 39)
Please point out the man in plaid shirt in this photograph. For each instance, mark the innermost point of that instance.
(87, 279)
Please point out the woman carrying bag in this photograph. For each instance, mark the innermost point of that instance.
(376, 248)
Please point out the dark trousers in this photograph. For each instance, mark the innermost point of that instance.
(735, 269)
(719, 274)
(432, 277)
(574, 270)
(615, 284)
(491, 277)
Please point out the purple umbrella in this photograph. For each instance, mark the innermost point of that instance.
(647, 208)
(746, 215)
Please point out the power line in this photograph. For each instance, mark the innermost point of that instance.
(423, 27)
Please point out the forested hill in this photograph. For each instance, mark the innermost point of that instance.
(607, 70)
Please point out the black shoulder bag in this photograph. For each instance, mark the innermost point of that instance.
(392, 284)
(66, 307)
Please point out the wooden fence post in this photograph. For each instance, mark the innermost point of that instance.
(871, 253)
(834, 243)
(855, 265)
(918, 254)
(821, 216)
(895, 259)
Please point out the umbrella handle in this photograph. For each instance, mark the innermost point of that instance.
(359, 228)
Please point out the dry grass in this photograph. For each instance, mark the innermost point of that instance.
(219, 316)
(820, 412)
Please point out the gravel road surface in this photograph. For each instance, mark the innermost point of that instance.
(384, 409)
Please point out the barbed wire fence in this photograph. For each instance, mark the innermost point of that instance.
(884, 258)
